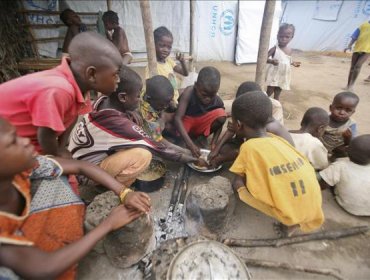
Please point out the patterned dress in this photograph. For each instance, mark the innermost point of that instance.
(51, 220)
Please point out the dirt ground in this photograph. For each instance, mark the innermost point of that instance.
(313, 84)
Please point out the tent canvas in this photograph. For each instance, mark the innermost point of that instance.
(250, 21)
(215, 22)
(324, 25)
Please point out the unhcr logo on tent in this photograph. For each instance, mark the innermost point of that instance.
(227, 22)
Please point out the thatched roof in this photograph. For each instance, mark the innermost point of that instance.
(14, 43)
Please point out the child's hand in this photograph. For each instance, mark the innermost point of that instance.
(138, 200)
(121, 216)
(347, 49)
(296, 63)
(275, 62)
(347, 136)
(201, 162)
(231, 127)
(172, 107)
(215, 162)
(195, 150)
(180, 57)
(214, 152)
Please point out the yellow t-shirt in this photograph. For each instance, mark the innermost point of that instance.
(280, 182)
(363, 40)
(166, 69)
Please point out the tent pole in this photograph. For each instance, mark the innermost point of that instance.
(149, 37)
(268, 15)
(191, 51)
(109, 5)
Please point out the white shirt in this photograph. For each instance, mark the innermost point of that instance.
(352, 185)
(312, 148)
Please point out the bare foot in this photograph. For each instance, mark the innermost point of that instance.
(284, 231)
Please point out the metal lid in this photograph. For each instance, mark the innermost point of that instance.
(207, 260)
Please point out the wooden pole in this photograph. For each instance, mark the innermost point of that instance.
(290, 267)
(278, 242)
(268, 15)
(109, 5)
(192, 25)
(149, 37)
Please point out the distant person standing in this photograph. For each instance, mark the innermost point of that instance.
(279, 62)
(117, 35)
(74, 24)
(360, 52)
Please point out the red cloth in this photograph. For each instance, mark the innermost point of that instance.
(201, 125)
(48, 98)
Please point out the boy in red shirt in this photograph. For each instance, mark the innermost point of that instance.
(44, 106)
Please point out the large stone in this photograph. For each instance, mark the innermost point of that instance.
(224, 184)
(209, 205)
(127, 245)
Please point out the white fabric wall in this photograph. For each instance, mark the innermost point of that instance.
(214, 34)
(175, 15)
(325, 25)
(250, 20)
(45, 49)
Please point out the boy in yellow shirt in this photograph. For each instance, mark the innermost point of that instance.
(361, 51)
(271, 175)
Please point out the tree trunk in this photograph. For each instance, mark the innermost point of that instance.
(149, 37)
(266, 26)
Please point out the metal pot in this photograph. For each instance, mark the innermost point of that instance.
(152, 179)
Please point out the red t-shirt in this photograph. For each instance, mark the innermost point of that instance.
(48, 98)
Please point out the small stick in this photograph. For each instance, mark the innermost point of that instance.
(278, 242)
(287, 266)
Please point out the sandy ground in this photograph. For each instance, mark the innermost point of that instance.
(313, 84)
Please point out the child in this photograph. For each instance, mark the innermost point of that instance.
(271, 175)
(109, 138)
(351, 179)
(43, 238)
(117, 35)
(74, 24)
(341, 127)
(201, 111)
(163, 40)
(306, 139)
(156, 99)
(279, 61)
(360, 53)
(44, 105)
(227, 148)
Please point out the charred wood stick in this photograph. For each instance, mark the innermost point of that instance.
(175, 193)
(278, 242)
(184, 185)
(287, 266)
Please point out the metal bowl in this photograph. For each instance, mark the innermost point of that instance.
(207, 260)
(204, 154)
(152, 178)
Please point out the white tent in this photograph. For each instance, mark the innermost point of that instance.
(215, 33)
(324, 25)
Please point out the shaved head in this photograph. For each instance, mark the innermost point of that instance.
(359, 149)
(315, 116)
(92, 49)
(95, 62)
